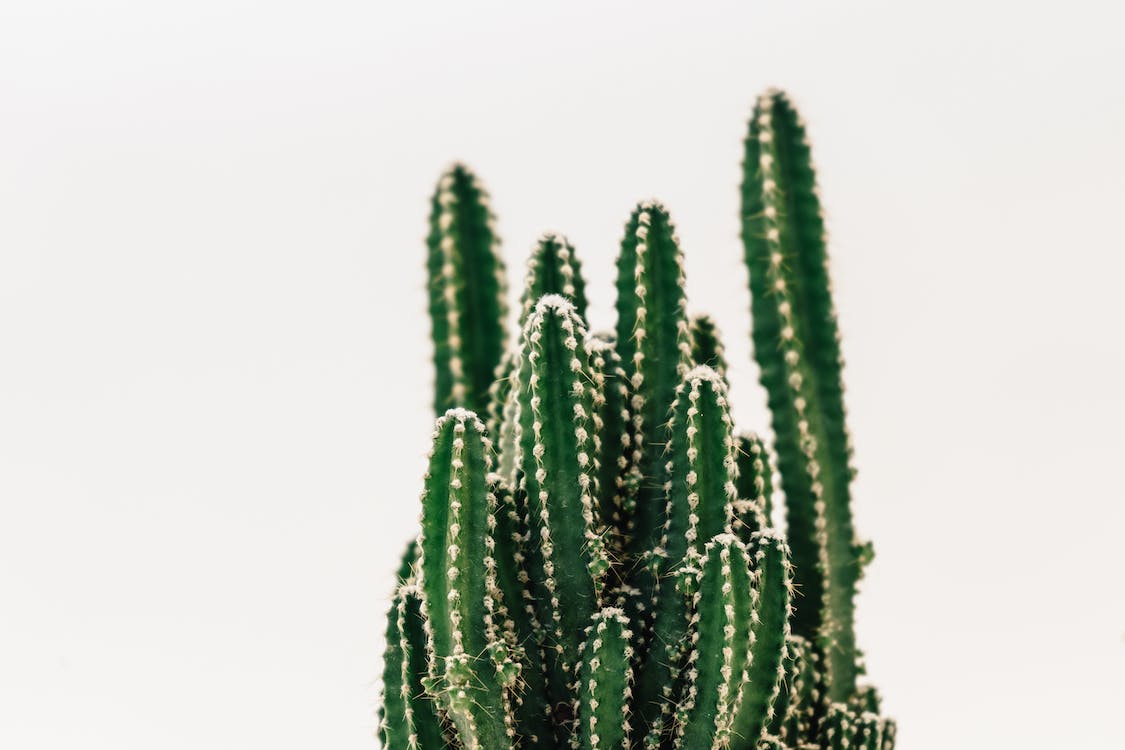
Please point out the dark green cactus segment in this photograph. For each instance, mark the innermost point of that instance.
(838, 730)
(470, 638)
(865, 700)
(707, 345)
(869, 731)
(799, 696)
(529, 699)
(797, 347)
(754, 508)
(406, 566)
(701, 470)
(559, 475)
(770, 597)
(769, 743)
(715, 670)
(655, 350)
(408, 718)
(890, 728)
(553, 268)
(611, 431)
(467, 292)
(498, 395)
(605, 683)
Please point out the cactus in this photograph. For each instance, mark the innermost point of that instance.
(597, 566)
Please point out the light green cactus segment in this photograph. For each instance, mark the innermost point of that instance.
(797, 346)
(553, 268)
(611, 428)
(706, 345)
(529, 699)
(890, 728)
(408, 719)
(702, 471)
(799, 694)
(754, 508)
(605, 683)
(770, 596)
(838, 729)
(467, 290)
(557, 455)
(469, 633)
(655, 349)
(715, 670)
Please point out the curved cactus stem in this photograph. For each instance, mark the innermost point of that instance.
(605, 683)
(467, 290)
(553, 268)
(715, 671)
(469, 634)
(797, 346)
(770, 597)
(529, 698)
(611, 425)
(408, 718)
(754, 508)
(557, 455)
(701, 489)
(838, 730)
(653, 341)
(706, 345)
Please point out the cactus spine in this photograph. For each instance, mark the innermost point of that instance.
(607, 577)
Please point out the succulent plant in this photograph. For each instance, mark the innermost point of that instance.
(597, 566)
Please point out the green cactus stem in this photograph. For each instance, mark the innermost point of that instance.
(770, 597)
(715, 671)
(799, 697)
(553, 268)
(408, 718)
(754, 509)
(701, 470)
(838, 731)
(605, 683)
(568, 561)
(611, 429)
(467, 290)
(655, 350)
(707, 345)
(797, 346)
(470, 638)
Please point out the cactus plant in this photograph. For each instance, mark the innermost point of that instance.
(597, 566)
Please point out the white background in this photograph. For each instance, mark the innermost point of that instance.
(214, 375)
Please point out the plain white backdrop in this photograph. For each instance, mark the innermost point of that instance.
(214, 373)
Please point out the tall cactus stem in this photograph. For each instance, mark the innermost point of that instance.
(655, 349)
(470, 636)
(467, 290)
(605, 683)
(558, 458)
(796, 342)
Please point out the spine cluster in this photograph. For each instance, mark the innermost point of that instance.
(597, 566)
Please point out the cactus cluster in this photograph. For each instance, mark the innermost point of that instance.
(597, 566)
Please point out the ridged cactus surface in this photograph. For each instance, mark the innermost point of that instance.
(597, 566)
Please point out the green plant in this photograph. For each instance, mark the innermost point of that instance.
(597, 566)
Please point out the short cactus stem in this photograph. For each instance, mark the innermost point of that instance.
(553, 268)
(471, 639)
(408, 719)
(838, 730)
(706, 345)
(715, 669)
(796, 342)
(605, 683)
(754, 508)
(770, 597)
(558, 458)
(799, 697)
(868, 731)
(467, 290)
